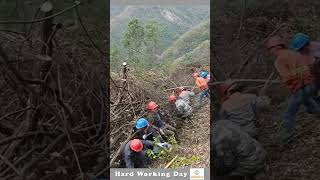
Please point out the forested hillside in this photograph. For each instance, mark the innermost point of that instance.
(140, 74)
(174, 21)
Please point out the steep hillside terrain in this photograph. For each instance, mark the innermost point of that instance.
(174, 20)
(188, 41)
(200, 54)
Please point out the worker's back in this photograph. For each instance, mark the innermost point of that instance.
(239, 109)
(185, 95)
(201, 83)
(234, 151)
(294, 69)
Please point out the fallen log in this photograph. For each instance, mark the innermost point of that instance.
(246, 80)
(181, 86)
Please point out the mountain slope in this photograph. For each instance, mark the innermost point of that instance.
(174, 20)
(200, 54)
(188, 41)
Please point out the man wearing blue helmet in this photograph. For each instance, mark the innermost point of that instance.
(303, 44)
(146, 131)
(205, 75)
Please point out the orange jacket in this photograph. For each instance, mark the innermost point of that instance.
(294, 69)
(201, 83)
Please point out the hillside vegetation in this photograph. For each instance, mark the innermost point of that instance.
(188, 41)
(174, 21)
(149, 77)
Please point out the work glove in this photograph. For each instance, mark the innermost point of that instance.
(164, 145)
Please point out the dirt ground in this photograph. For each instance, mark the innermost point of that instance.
(194, 138)
(297, 160)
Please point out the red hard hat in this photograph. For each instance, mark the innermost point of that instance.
(152, 105)
(274, 41)
(136, 145)
(172, 98)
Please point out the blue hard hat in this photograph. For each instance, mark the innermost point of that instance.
(203, 74)
(298, 41)
(141, 123)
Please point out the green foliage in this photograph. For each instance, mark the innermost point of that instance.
(152, 38)
(114, 55)
(167, 156)
(134, 35)
(188, 17)
(184, 161)
(163, 153)
(188, 41)
(142, 43)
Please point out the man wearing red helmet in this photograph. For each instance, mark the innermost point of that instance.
(183, 108)
(185, 95)
(135, 153)
(172, 107)
(156, 118)
(295, 72)
(241, 108)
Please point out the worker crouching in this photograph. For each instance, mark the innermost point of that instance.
(235, 152)
(241, 108)
(156, 119)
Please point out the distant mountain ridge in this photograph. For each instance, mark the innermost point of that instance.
(188, 41)
(175, 20)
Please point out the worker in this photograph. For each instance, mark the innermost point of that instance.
(303, 44)
(236, 153)
(241, 108)
(205, 75)
(135, 152)
(295, 72)
(197, 68)
(203, 86)
(184, 109)
(146, 131)
(156, 118)
(172, 106)
(185, 94)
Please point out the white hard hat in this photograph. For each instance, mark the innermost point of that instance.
(124, 63)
